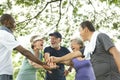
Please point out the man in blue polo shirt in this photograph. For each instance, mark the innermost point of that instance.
(55, 50)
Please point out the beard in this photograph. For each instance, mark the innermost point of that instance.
(55, 45)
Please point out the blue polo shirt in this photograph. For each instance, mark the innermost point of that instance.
(57, 74)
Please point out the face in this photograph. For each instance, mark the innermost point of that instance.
(55, 42)
(10, 24)
(83, 33)
(39, 44)
(75, 46)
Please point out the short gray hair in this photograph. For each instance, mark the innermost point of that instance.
(79, 41)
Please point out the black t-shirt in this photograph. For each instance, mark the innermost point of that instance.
(57, 74)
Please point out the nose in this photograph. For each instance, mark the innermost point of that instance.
(80, 33)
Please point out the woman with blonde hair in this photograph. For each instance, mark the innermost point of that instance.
(29, 68)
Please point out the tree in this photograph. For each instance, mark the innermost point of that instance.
(45, 16)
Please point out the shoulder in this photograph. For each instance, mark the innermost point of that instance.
(48, 47)
(102, 35)
(3, 32)
(64, 48)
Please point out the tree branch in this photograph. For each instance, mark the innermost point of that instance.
(38, 12)
(60, 14)
(71, 4)
(93, 8)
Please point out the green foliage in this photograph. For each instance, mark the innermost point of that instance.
(27, 2)
(1, 9)
(9, 4)
(65, 2)
(75, 11)
(116, 25)
(41, 74)
(40, 17)
(117, 2)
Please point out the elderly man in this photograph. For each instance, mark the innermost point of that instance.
(56, 50)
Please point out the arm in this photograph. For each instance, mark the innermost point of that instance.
(67, 62)
(35, 65)
(28, 54)
(116, 56)
(47, 57)
(66, 72)
(67, 56)
(36, 53)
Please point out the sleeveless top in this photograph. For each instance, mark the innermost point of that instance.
(27, 71)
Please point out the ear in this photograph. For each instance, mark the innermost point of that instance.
(60, 39)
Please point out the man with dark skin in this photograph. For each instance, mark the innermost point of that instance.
(7, 44)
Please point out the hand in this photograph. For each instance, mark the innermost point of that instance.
(66, 72)
(49, 67)
(46, 67)
(47, 58)
(56, 59)
(51, 63)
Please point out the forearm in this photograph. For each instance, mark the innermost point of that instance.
(69, 56)
(68, 62)
(29, 55)
(116, 56)
(46, 57)
(36, 65)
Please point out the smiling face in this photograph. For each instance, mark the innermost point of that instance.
(76, 44)
(86, 30)
(38, 44)
(84, 33)
(55, 42)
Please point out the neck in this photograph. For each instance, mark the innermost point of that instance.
(36, 53)
(90, 35)
(57, 48)
(6, 28)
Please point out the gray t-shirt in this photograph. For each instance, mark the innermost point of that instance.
(103, 63)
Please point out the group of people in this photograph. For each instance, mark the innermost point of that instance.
(98, 60)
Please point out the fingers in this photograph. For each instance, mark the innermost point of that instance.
(51, 63)
(66, 72)
(56, 59)
(49, 60)
(47, 57)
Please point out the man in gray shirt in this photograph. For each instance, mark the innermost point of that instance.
(105, 57)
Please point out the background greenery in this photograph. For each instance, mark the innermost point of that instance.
(45, 16)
